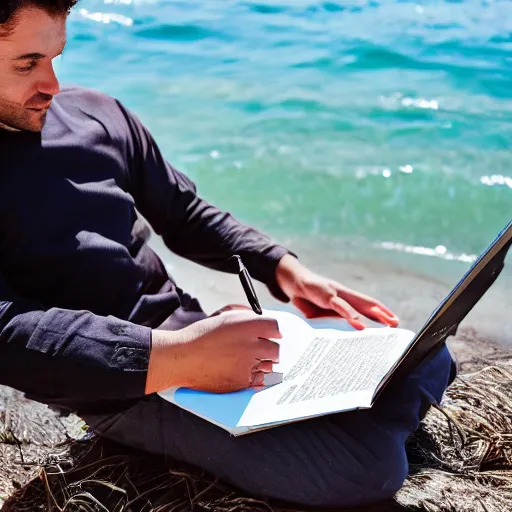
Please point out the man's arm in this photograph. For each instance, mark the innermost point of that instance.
(64, 356)
(78, 360)
(189, 225)
(198, 231)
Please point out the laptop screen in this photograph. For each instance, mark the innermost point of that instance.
(446, 318)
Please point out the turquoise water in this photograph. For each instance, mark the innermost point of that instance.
(385, 123)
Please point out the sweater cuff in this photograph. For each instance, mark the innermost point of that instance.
(94, 358)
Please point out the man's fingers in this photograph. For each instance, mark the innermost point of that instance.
(368, 305)
(257, 379)
(267, 350)
(265, 327)
(383, 317)
(344, 310)
(263, 366)
(386, 310)
(257, 325)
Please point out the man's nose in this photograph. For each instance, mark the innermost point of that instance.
(49, 84)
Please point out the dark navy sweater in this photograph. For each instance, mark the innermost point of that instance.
(80, 289)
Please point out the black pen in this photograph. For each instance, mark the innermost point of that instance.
(249, 290)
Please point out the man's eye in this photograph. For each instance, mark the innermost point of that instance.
(27, 68)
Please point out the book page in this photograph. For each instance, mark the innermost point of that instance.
(337, 372)
(296, 336)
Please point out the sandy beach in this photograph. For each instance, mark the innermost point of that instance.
(411, 294)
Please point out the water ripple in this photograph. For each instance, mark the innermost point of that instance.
(107, 17)
(438, 252)
(386, 120)
(171, 32)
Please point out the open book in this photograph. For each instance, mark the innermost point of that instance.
(326, 370)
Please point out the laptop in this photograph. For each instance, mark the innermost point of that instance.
(447, 317)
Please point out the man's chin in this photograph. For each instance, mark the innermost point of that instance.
(31, 121)
(35, 121)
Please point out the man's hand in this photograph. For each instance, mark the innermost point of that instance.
(317, 296)
(223, 353)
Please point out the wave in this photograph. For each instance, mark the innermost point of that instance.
(330, 7)
(185, 32)
(367, 56)
(264, 8)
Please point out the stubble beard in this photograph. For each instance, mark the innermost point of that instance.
(15, 117)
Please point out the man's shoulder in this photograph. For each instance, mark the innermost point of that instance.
(80, 102)
(88, 99)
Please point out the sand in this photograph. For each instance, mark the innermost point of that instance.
(411, 286)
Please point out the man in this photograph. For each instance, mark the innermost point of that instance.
(90, 321)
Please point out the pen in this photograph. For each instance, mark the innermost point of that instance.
(245, 279)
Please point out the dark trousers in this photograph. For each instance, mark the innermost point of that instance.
(341, 460)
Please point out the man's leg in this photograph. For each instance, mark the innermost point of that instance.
(339, 460)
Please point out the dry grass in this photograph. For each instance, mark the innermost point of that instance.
(465, 447)
(461, 461)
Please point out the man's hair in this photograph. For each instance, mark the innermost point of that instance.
(9, 9)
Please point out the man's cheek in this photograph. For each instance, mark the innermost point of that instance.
(11, 95)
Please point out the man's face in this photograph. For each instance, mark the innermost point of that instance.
(27, 79)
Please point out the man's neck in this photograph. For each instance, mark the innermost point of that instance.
(8, 128)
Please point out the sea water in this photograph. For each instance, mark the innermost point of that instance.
(384, 125)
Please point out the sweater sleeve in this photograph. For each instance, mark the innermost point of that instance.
(64, 356)
(189, 225)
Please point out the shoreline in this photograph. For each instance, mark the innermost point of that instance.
(411, 286)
